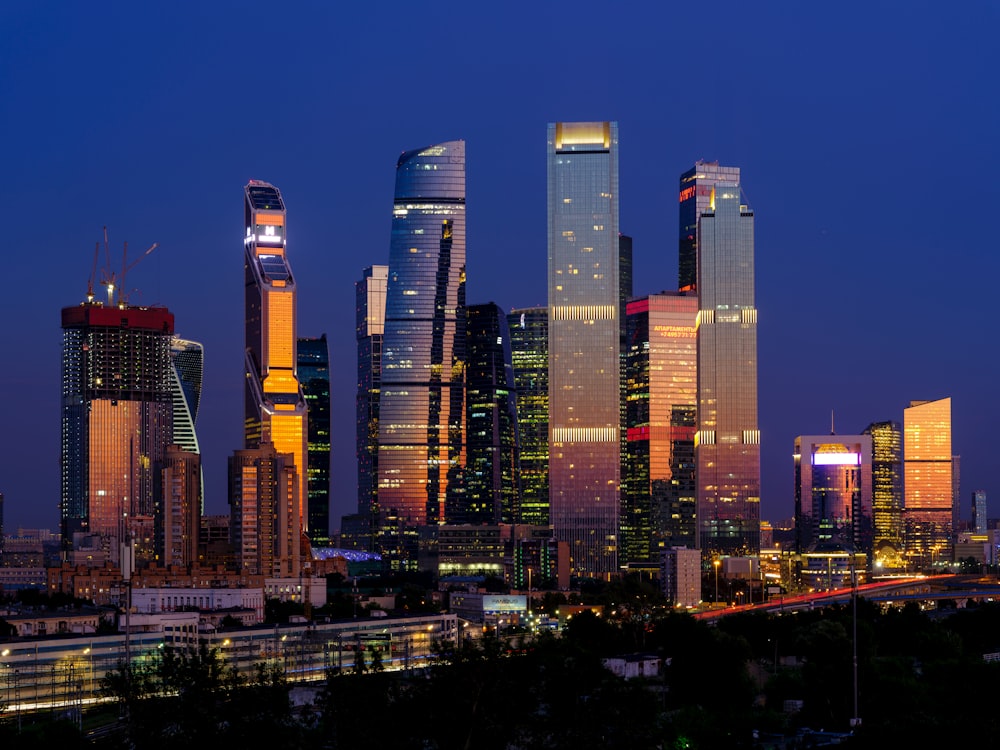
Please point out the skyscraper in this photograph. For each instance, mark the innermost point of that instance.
(117, 417)
(421, 455)
(188, 366)
(314, 375)
(927, 464)
(697, 186)
(177, 522)
(658, 482)
(369, 294)
(584, 343)
(492, 474)
(529, 342)
(833, 493)
(887, 492)
(979, 512)
(728, 438)
(275, 405)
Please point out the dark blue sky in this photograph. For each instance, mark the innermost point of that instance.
(866, 133)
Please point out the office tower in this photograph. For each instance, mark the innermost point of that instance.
(887, 492)
(927, 481)
(584, 343)
(697, 186)
(956, 493)
(421, 427)
(264, 521)
(492, 486)
(658, 483)
(529, 343)
(188, 366)
(978, 511)
(727, 455)
(177, 521)
(314, 375)
(275, 405)
(369, 295)
(833, 493)
(117, 417)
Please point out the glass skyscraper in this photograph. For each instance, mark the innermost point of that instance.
(887, 492)
(117, 418)
(187, 371)
(658, 485)
(696, 188)
(529, 342)
(927, 482)
(584, 343)
(492, 472)
(979, 512)
(728, 437)
(421, 456)
(369, 295)
(275, 410)
(314, 375)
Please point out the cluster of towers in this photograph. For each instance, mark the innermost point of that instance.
(582, 416)
(131, 474)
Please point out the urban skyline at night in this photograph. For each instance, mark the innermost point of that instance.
(840, 161)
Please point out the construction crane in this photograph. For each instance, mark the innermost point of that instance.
(123, 298)
(93, 270)
(108, 279)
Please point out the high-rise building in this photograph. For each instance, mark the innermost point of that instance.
(584, 294)
(264, 527)
(927, 483)
(658, 482)
(727, 455)
(314, 375)
(369, 295)
(978, 512)
(275, 405)
(492, 471)
(177, 521)
(421, 456)
(697, 186)
(187, 371)
(529, 342)
(117, 418)
(887, 492)
(833, 493)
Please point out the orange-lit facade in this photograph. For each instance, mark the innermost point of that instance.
(276, 408)
(117, 418)
(928, 487)
(178, 515)
(585, 332)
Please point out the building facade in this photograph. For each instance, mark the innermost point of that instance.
(117, 419)
(696, 188)
(978, 511)
(887, 493)
(833, 494)
(275, 411)
(728, 439)
(369, 295)
(421, 450)
(927, 482)
(492, 475)
(529, 342)
(177, 524)
(659, 509)
(584, 343)
(314, 375)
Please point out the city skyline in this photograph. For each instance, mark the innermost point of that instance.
(156, 151)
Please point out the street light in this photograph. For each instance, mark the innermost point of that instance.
(715, 564)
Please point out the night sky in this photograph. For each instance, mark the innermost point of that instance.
(866, 134)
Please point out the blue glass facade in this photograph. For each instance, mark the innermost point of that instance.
(529, 337)
(314, 375)
(421, 456)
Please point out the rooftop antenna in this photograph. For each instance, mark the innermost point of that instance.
(832, 431)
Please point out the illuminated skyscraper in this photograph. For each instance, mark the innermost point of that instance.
(529, 342)
(314, 375)
(979, 512)
(117, 417)
(887, 492)
(421, 455)
(696, 188)
(188, 366)
(177, 522)
(927, 463)
(369, 295)
(833, 493)
(584, 343)
(492, 486)
(658, 482)
(275, 405)
(728, 438)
